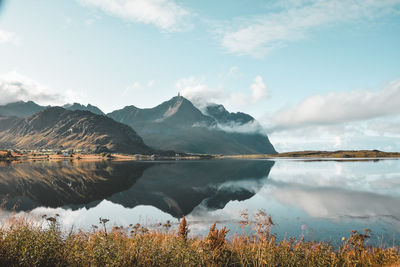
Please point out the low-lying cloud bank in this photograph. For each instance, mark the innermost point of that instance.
(341, 107)
(252, 127)
(16, 87)
(382, 134)
(359, 119)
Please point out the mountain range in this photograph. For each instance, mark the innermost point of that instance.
(175, 124)
(23, 109)
(58, 128)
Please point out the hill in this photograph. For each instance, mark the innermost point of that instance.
(77, 106)
(20, 109)
(58, 128)
(24, 109)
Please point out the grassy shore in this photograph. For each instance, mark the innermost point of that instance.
(8, 155)
(25, 244)
(335, 155)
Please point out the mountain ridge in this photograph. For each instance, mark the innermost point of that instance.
(174, 125)
(177, 124)
(23, 109)
(56, 127)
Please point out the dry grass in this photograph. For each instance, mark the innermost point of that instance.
(25, 244)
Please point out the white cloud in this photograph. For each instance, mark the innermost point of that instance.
(233, 72)
(355, 135)
(8, 37)
(137, 85)
(294, 20)
(151, 83)
(200, 94)
(340, 107)
(259, 89)
(165, 14)
(250, 127)
(16, 87)
(132, 87)
(385, 127)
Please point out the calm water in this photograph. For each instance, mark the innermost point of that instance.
(323, 200)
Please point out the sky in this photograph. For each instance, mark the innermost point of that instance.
(316, 74)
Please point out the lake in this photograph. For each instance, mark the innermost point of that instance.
(322, 200)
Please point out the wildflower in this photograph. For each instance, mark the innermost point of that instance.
(183, 229)
(167, 225)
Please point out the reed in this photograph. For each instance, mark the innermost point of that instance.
(23, 243)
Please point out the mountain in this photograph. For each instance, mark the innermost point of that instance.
(77, 106)
(223, 116)
(178, 125)
(24, 109)
(56, 127)
(20, 109)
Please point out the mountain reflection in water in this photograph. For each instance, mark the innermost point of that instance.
(174, 187)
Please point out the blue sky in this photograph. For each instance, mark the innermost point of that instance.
(316, 74)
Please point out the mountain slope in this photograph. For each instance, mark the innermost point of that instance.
(77, 106)
(20, 109)
(223, 116)
(24, 109)
(178, 125)
(55, 128)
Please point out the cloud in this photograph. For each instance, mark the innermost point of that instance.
(165, 14)
(259, 89)
(200, 94)
(8, 37)
(385, 127)
(137, 85)
(16, 87)
(151, 83)
(341, 107)
(291, 20)
(250, 127)
(355, 135)
(132, 87)
(233, 72)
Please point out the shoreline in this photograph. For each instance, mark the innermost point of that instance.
(339, 155)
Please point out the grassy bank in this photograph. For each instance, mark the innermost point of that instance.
(25, 244)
